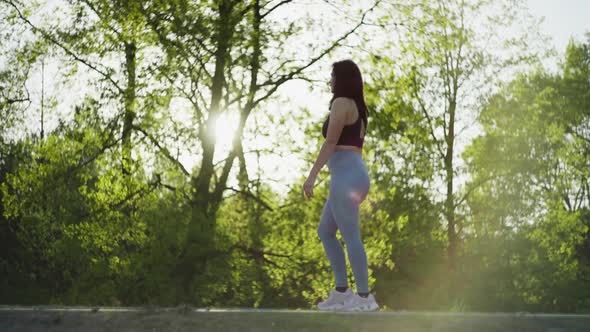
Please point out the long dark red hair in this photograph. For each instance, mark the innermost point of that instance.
(349, 83)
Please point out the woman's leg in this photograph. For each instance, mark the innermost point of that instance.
(348, 222)
(327, 233)
(348, 188)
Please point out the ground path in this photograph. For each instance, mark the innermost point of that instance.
(185, 318)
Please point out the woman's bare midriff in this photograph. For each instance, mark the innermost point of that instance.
(349, 148)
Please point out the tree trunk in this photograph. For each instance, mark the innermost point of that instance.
(449, 202)
(201, 227)
(129, 102)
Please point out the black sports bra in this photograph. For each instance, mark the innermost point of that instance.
(352, 134)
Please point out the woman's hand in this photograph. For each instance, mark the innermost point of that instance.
(308, 186)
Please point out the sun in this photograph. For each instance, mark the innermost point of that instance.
(226, 125)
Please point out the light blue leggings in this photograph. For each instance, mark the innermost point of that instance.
(349, 186)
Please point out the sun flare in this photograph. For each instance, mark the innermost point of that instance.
(226, 125)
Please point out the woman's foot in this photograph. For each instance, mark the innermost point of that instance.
(359, 303)
(336, 300)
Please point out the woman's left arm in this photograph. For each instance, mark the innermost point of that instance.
(337, 120)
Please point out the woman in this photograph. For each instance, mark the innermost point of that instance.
(344, 130)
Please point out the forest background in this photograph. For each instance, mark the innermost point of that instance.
(153, 153)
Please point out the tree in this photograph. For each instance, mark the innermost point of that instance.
(447, 56)
(535, 152)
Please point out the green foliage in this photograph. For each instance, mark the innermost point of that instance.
(78, 228)
(533, 159)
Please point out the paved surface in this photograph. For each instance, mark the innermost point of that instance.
(91, 319)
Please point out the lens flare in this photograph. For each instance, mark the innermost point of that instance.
(356, 197)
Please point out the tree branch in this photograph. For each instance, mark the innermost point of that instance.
(249, 194)
(164, 150)
(63, 47)
(275, 7)
(174, 189)
(430, 125)
(14, 101)
(284, 78)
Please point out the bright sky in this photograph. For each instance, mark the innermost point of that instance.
(563, 19)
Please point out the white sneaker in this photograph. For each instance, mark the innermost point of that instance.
(359, 303)
(336, 300)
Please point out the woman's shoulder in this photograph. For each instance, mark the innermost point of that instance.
(343, 100)
(345, 103)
